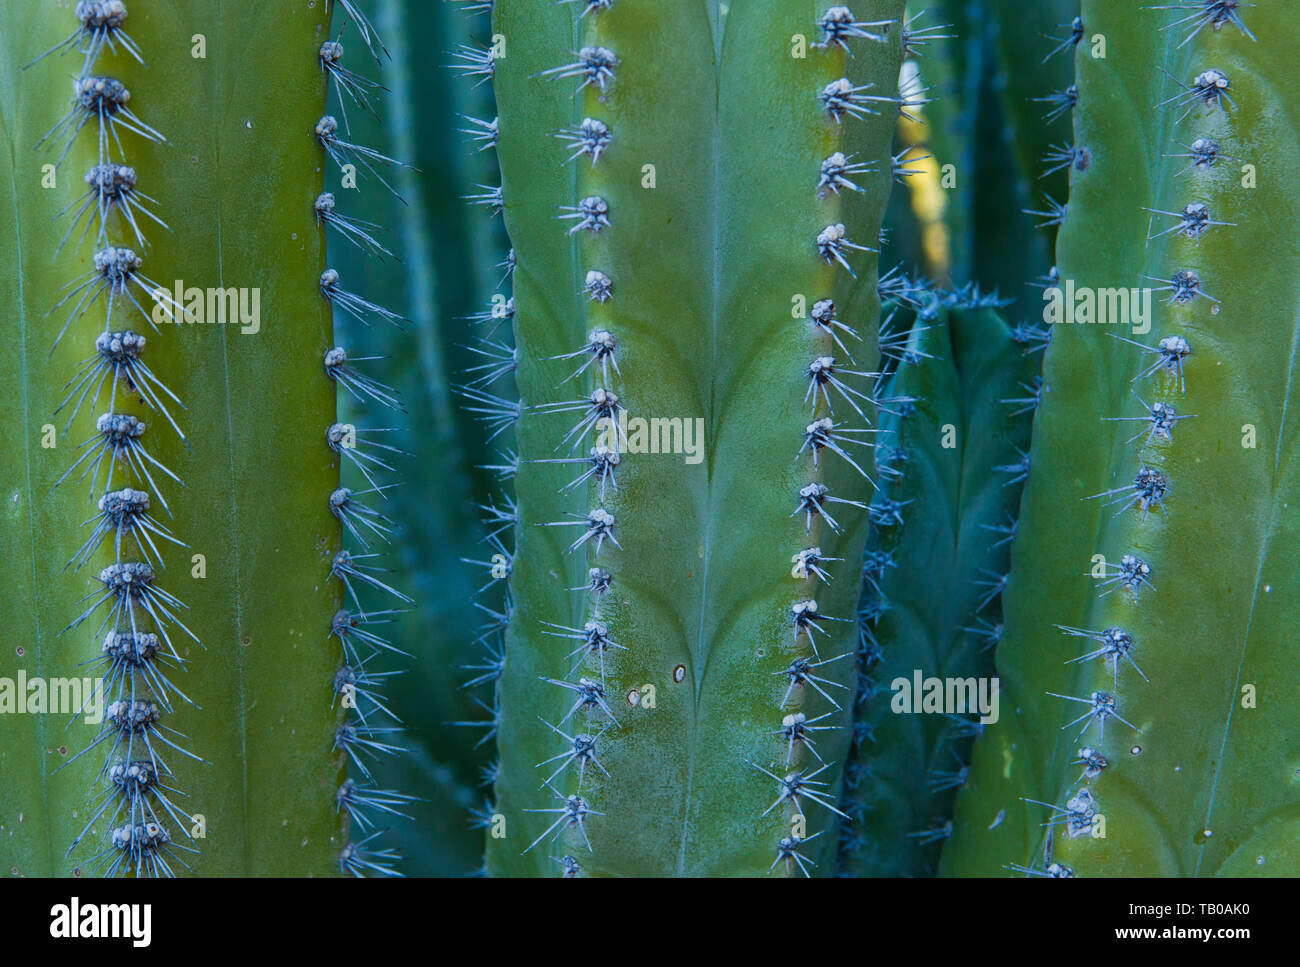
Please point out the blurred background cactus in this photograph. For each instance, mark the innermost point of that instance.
(635, 421)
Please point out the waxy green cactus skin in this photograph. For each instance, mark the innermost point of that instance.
(236, 181)
(939, 614)
(705, 266)
(931, 601)
(1206, 785)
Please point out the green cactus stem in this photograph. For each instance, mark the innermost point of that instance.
(1151, 581)
(233, 92)
(710, 187)
(447, 273)
(943, 522)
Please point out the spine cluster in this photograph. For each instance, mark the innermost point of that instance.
(143, 636)
(368, 728)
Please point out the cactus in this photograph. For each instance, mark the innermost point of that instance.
(648, 643)
(194, 565)
(1033, 89)
(447, 274)
(1148, 596)
(943, 520)
(984, 130)
(964, 386)
(709, 443)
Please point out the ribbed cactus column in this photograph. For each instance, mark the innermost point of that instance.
(648, 655)
(943, 522)
(235, 90)
(1147, 661)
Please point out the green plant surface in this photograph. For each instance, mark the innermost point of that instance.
(1203, 781)
(939, 547)
(706, 266)
(974, 77)
(447, 274)
(1033, 63)
(235, 180)
(951, 68)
